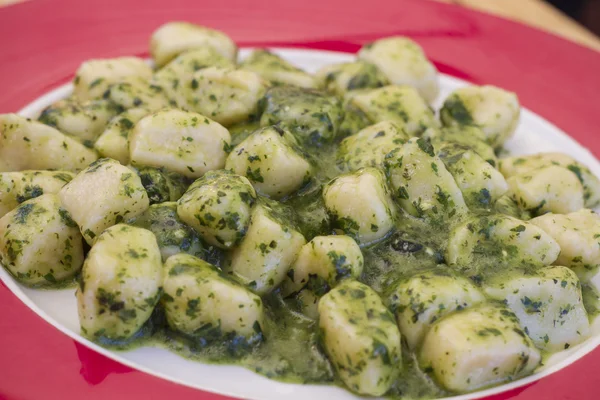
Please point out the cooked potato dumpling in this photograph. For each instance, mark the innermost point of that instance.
(268, 250)
(313, 116)
(404, 63)
(419, 301)
(120, 283)
(341, 78)
(548, 189)
(302, 222)
(184, 142)
(95, 76)
(218, 207)
(360, 338)
(421, 183)
(548, 305)
(39, 242)
(480, 183)
(174, 38)
(495, 111)
(172, 235)
(175, 77)
(201, 301)
(369, 147)
(17, 187)
(27, 144)
(518, 165)
(477, 347)
(577, 234)
(137, 92)
(226, 95)
(84, 121)
(399, 104)
(271, 161)
(500, 237)
(114, 141)
(360, 205)
(329, 259)
(277, 70)
(102, 195)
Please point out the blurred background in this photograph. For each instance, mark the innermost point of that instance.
(585, 11)
(576, 20)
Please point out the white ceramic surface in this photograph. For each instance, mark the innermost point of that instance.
(59, 308)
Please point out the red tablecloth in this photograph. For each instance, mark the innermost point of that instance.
(43, 41)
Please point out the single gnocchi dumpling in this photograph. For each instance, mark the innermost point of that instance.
(313, 116)
(114, 141)
(360, 338)
(136, 92)
(344, 77)
(28, 144)
(174, 77)
(201, 302)
(478, 347)
(329, 259)
(548, 189)
(172, 235)
(17, 187)
(500, 237)
(495, 111)
(174, 38)
(271, 160)
(401, 105)
(276, 70)
(421, 183)
(480, 183)
(268, 250)
(226, 95)
(102, 195)
(39, 242)
(421, 300)
(218, 207)
(548, 305)
(360, 205)
(466, 136)
(84, 121)
(578, 235)
(120, 283)
(95, 76)
(184, 142)
(404, 62)
(518, 165)
(369, 147)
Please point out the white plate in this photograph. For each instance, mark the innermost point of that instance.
(59, 308)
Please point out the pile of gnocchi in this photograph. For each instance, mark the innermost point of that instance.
(206, 189)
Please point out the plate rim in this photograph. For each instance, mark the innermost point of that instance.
(62, 90)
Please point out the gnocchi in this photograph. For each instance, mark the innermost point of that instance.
(120, 283)
(328, 227)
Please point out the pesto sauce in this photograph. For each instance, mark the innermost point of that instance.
(291, 349)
